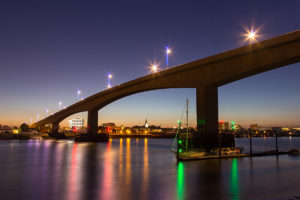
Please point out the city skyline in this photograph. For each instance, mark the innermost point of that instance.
(48, 61)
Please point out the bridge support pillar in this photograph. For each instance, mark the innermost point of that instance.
(207, 110)
(92, 121)
(55, 127)
(207, 116)
(208, 120)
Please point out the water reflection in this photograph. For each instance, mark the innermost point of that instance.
(72, 182)
(128, 168)
(180, 181)
(121, 160)
(145, 177)
(234, 182)
(108, 176)
(138, 169)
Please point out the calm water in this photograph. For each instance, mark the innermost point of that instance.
(142, 169)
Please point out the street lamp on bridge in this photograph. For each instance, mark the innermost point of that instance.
(154, 68)
(109, 77)
(168, 52)
(250, 35)
(78, 94)
(59, 104)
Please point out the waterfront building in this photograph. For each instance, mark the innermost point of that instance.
(224, 126)
(254, 127)
(276, 129)
(111, 128)
(5, 129)
(110, 124)
(76, 123)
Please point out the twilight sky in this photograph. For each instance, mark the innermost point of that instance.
(50, 50)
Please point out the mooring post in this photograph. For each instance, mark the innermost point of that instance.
(276, 143)
(251, 143)
(220, 145)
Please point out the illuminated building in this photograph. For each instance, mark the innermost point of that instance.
(77, 123)
(224, 126)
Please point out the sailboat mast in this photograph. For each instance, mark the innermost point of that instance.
(187, 115)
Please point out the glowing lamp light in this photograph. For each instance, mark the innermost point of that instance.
(78, 92)
(109, 77)
(179, 141)
(59, 104)
(154, 68)
(251, 35)
(168, 51)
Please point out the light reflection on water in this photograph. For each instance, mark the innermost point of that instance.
(140, 169)
(234, 179)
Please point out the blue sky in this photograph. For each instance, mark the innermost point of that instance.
(50, 50)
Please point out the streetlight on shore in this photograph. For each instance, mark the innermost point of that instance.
(47, 112)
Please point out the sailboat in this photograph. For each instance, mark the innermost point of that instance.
(184, 148)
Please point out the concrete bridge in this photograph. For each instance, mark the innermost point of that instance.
(206, 75)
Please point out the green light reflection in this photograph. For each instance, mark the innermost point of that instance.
(234, 185)
(180, 181)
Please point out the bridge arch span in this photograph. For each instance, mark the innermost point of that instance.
(206, 75)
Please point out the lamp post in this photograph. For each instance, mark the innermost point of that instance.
(78, 94)
(109, 77)
(59, 105)
(168, 52)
